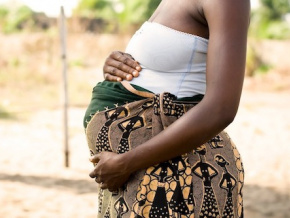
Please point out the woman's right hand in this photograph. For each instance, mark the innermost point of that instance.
(120, 66)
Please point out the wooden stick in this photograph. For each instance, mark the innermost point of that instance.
(65, 92)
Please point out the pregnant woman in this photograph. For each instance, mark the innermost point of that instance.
(156, 138)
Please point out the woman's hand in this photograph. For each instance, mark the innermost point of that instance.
(110, 171)
(119, 66)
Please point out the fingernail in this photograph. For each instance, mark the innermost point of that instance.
(91, 159)
(138, 68)
(119, 79)
(135, 73)
(129, 77)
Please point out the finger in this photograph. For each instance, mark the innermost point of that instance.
(93, 174)
(114, 71)
(103, 185)
(129, 55)
(136, 65)
(98, 180)
(122, 67)
(95, 158)
(112, 78)
(126, 59)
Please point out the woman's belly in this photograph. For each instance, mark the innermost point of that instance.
(179, 84)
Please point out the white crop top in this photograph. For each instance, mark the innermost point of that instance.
(171, 61)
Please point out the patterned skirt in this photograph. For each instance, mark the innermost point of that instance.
(206, 182)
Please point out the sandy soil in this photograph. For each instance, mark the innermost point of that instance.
(35, 183)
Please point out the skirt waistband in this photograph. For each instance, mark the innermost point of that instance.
(107, 95)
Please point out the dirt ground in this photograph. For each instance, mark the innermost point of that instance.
(35, 183)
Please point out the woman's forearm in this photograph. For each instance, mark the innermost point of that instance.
(190, 131)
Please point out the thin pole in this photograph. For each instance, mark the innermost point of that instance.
(65, 92)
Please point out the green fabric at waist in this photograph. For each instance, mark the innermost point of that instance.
(108, 95)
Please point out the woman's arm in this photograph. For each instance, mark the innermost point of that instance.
(228, 24)
(119, 66)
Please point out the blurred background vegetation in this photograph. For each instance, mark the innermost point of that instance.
(30, 45)
(106, 16)
(270, 20)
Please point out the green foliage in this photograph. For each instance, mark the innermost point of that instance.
(264, 29)
(4, 114)
(3, 16)
(95, 9)
(263, 69)
(77, 63)
(151, 6)
(3, 12)
(122, 13)
(268, 21)
(254, 63)
(15, 62)
(278, 30)
(274, 9)
(13, 21)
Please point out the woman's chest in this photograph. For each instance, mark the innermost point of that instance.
(160, 48)
(183, 15)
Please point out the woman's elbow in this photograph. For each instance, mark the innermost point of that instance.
(224, 111)
(227, 117)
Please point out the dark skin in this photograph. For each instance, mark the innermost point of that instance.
(225, 23)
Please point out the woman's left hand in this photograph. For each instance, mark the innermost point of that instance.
(110, 170)
(120, 66)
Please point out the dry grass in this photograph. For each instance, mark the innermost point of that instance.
(31, 68)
